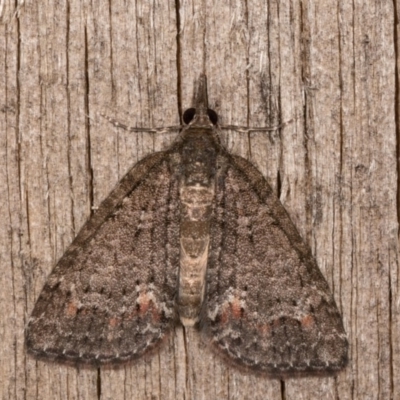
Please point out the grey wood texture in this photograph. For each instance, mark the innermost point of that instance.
(331, 66)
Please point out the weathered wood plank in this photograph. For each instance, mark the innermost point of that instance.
(329, 66)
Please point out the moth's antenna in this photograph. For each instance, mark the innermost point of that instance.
(164, 129)
(249, 129)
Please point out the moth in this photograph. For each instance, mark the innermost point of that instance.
(191, 234)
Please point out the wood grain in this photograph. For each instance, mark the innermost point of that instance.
(332, 67)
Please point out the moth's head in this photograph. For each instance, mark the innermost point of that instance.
(200, 117)
(200, 114)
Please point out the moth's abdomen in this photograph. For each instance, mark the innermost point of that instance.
(194, 243)
(197, 191)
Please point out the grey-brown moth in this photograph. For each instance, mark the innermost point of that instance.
(194, 234)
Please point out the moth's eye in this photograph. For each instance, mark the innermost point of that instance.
(188, 115)
(213, 116)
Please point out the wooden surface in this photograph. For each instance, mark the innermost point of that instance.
(332, 66)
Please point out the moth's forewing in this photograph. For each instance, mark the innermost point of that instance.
(268, 307)
(110, 298)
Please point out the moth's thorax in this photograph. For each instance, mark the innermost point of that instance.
(196, 192)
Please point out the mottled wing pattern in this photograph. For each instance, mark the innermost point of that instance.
(268, 307)
(110, 298)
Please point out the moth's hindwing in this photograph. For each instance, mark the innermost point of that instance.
(268, 306)
(110, 298)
